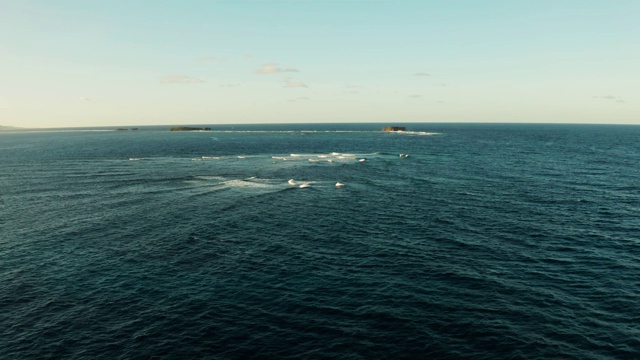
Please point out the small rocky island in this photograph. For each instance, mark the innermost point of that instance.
(394, 128)
(188, 128)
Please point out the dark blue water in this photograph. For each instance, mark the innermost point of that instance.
(488, 241)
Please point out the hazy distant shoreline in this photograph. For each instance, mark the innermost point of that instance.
(373, 126)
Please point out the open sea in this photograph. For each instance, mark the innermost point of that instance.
(488, 241)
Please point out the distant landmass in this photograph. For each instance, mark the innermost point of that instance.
(9, 128)
(187, 128)
(394, 128)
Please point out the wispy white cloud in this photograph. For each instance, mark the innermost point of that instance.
(274, 69)
(290, 83)
(208, 58)
(180, 79)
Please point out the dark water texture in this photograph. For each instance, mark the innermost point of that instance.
(488, 241)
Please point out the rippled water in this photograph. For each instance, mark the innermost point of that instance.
(487, 241)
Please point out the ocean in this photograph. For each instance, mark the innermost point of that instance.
(483, 241)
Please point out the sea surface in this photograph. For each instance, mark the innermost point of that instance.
(488, 241)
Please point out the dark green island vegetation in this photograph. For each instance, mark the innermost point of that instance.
(188, 128)
(394, 128)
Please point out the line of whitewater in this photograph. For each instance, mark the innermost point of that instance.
(421, 133)
(293, 131)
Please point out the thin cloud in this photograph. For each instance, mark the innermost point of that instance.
(208, 58)
(216, 59)
(180, 79)
(610, 98)
(274, 69)
(289, 83)
(303, 98)
(352, 89)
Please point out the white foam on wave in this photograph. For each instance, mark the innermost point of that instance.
(253, 131)
(333, 157)
(336, 131)
(210, 178)
(246, 184)
(420, 133)
(254, 183)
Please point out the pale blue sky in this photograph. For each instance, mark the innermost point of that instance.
(99, 63)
